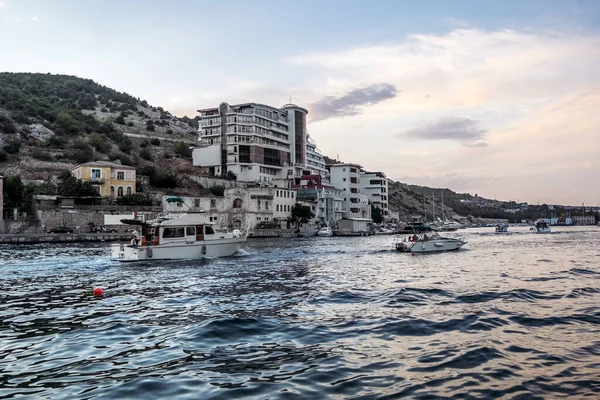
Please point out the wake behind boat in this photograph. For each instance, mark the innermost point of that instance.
(429, 243)
(180, 236)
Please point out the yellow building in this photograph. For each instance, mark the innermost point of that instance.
(110, 179)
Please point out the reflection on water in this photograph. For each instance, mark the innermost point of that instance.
(509, 316)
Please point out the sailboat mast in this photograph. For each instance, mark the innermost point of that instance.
(443, 211)
(433, 205)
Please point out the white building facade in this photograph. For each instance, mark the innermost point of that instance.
(256, 142)
(346, 177)
(375, 186)
(240, 207)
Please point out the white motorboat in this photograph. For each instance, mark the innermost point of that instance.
(429, 243)
(180, 236)
(541, 225)
(501, 228)
(325, 231)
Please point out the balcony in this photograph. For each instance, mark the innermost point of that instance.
(97, 180)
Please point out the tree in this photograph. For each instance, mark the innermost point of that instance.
(14, 193)
(134, 199)
(376, 214)
(71, 186)
(301, 214)
(217, 190)
(182, 149)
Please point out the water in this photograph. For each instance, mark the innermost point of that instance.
(509, 316)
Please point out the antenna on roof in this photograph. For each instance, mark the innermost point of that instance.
(290, 99)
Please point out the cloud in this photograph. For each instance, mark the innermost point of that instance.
(2, 3)
(35, 19)
(351, 102)
(464, 130)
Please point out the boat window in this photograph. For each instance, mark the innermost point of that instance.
(208, 230)
(173, 232)
(190, 231)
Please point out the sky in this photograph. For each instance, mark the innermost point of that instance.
(499, 99)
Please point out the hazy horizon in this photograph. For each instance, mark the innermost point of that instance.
(495, 99)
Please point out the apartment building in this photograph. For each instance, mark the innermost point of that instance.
(375, 185)
(325, 201)
(256, 142)
(346, 177)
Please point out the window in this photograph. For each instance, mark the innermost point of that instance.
(173, 232)
(277, 207)
(208, 230)
(112, 191)
(196, 203)
(237, 203)
(213, 203)
(129, 190)
(120, 191)
(259, 204)
(120, 175)
(96, 173)
(344, 179)
(266, 205)
(292, 193)
(190, 231)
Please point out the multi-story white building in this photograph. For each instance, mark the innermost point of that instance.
(346, 177)
(375, 185)
(256, 142)
(325, 201)
(315, 161)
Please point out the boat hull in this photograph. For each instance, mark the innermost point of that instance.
(174, 251)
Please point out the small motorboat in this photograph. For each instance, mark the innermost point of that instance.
(540, 225)
(325, 231)
(501, 228)
(429, 243)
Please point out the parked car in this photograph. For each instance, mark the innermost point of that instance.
(61, 229)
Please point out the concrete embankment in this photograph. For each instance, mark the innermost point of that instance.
(63, 238)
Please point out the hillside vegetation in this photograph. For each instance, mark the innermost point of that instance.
(50, 123)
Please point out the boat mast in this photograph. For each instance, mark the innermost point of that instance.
(433, 205)
(443, 212)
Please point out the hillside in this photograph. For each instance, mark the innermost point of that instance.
(49, 123)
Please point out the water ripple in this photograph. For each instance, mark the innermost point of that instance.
(517, 316)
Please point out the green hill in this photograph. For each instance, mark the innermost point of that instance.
(49, 123)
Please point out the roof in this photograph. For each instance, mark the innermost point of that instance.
(104, 164)
(345, 165)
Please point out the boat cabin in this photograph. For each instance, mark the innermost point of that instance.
(158, 234)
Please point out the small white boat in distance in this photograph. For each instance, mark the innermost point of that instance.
(501, 228)
(180, 236)
(325, 231)
(429, 243)
(541, 226)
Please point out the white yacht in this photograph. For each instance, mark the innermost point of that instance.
(541, 225)
(429, 243)
(325, 231)
(180, 236)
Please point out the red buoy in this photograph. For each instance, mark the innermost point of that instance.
(98, 292)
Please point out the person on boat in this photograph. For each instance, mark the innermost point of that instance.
(135, 237)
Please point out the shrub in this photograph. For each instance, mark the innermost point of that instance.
(155, 142)
(150, 128)
(182, 149)
(3, 156)
(120, 120)
(42, 155)
(125, 160)
(144, 143)
(163, 181)
(12, 146)
(134, 199)
(7, 125)
(217, 190)
(145, 153)
(170, 131)
(99, 142)
(130, 123)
